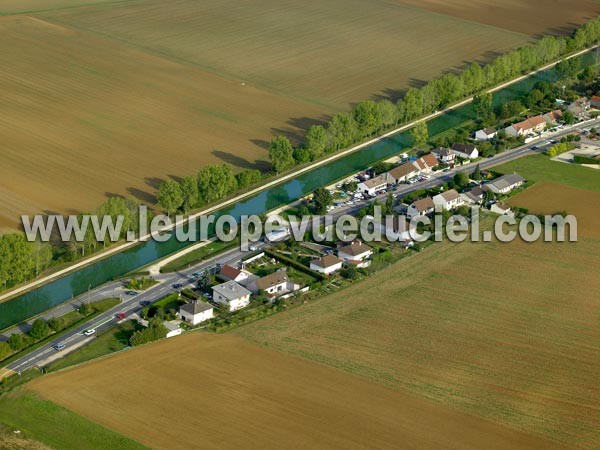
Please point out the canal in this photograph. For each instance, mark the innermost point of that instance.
(63, 289)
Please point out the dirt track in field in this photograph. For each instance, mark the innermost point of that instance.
(214, 391)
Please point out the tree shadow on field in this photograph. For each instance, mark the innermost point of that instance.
(153, 182)
(260, 143)
(176, 178)
(144, 197)
(563, 30)
(238, 161)
(393, 95)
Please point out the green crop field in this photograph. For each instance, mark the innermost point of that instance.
(55, 426)
(542, 168)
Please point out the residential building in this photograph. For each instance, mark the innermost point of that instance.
(501, 208)
(326, 264)
(532, 125)
(231, 273)
(426, 163)
(373, 185)
(579, 107)
(357, 252)
(232, 294)
(553, 117)
(444, 155)
(275, 284)
(485, 134)
(396, 228)
(402, 173)
(504, 184)
(595, 102)
(475, 195)
(196, 312)
(448, 200)
(421, 207)
(173, 328)
(466, 151)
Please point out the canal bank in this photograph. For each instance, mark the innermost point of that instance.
(73, 284)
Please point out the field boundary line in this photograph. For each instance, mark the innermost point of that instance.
(119, 248)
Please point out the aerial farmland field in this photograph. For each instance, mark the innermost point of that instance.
(506, 332)
(113, 97)
(219, 391)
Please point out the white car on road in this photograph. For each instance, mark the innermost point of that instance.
(89, 332)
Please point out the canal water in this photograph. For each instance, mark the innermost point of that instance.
(63, 289)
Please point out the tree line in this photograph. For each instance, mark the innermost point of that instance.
(211, 183)
(369, 118)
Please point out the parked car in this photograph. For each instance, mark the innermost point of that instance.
(120, 315)
(89, 332)
(208, 295)
(58, 347)
(132, 293)
(199, 274)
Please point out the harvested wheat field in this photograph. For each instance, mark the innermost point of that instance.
(215, 391)
(506, 332)
(551, 17)
(549, 198)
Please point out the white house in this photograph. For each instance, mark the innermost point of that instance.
(485, 134)
(356, 253)
(373, 185)
(444, 155)
(274, 285)
(231, 273)
(196, 312)
(402, 173)
(232, 294)
(448, 200)
(504, 184)
(466, 151)
(501, 208)
(326, 264)
(173, 329)
(420, 208)
(528, 126)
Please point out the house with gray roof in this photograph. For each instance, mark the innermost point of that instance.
(504, 184)
(232, 294)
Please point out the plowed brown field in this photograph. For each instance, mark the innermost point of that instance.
(214, 391)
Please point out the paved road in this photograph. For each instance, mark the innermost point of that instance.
(131, 304)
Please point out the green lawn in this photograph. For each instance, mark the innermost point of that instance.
(542, 168)
(57, 427)
(112, 340)
(198, 255)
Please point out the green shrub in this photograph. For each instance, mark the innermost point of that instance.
(39, 329)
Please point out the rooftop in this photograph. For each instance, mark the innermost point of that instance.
(195, 307)
(354, 249)
(326, 261)
(272, 280)
(231, 290)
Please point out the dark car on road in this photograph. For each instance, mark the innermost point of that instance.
(144, 303)
(177, 286)
(120, 315)
(58, 347)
